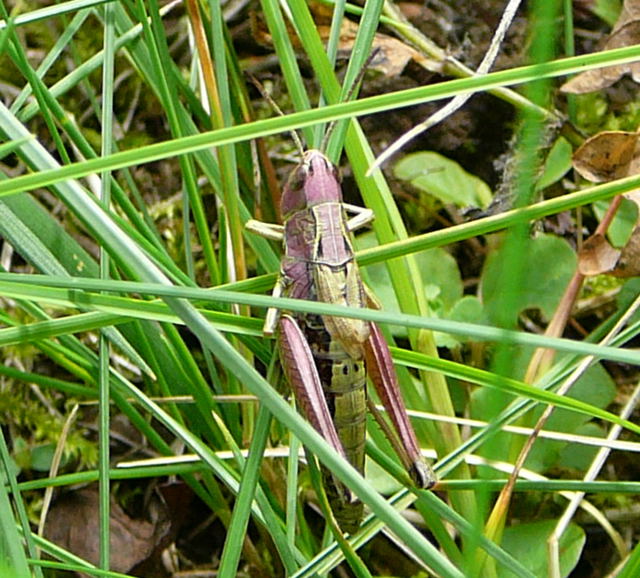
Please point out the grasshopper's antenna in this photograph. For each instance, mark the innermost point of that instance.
(274, 105)
(349, 96)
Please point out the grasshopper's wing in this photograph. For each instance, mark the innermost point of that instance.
(341, 285)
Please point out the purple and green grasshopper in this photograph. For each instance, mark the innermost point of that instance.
(326, 359)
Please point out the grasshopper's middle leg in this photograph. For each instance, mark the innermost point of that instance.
(362, 217)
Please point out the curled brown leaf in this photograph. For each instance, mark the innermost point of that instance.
(597, 256)
(626, 32)
(607, 156)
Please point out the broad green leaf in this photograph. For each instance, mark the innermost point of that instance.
(42, 456)
(442, 285)
(631, 566)
(577, 456)
(623, 223)
(444, 179)
(380, 479)
(608, 10)
(438, 269)
(527, 543)
(468, 309)
(557, 164)
(628, 294)
(550, 264)
(595, 387)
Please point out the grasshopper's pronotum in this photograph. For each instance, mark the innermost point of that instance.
(326, 359)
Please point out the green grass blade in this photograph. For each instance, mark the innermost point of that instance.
(50, 175)
(13, 561)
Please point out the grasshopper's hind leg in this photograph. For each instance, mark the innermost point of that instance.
(301, 373)
(383, 375)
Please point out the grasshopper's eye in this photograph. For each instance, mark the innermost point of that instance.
(293, 194)
(297, 178)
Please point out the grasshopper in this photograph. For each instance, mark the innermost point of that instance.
(326, 359)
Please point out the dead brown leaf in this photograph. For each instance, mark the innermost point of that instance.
(391, 54)
(626, 32)
(73, 524)
(607, 156)
(597, 256)
(630, 12)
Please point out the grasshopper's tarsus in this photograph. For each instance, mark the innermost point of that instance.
(326, 359)
(422, 475)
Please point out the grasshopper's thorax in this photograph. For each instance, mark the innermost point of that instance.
(314, 181)
(315, 224)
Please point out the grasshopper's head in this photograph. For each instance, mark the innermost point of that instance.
(315, 180)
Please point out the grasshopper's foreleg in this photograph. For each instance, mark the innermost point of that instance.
(362, 217)
(269, 231)
(274, 233)
(302, 375)
(383, 375)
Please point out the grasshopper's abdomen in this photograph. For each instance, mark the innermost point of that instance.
(344, 384)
